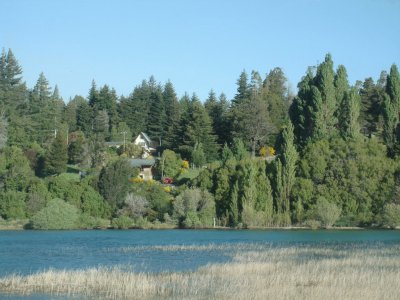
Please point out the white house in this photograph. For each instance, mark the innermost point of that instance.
(145, 142)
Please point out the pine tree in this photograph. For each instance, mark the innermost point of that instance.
(134, 109)
(156, 118)
(196, 128)
(84, 117)
(372, 97)
(243, 90)
(173, 116)
(57, 156)
(275, 95)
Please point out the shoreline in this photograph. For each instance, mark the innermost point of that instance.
(21, 227)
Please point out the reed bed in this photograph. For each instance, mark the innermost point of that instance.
(258, 273)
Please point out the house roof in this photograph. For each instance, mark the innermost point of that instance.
(141, 162)
(146, 137)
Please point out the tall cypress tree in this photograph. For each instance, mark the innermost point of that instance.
(350, 112)
(326, 110)
(392, 112)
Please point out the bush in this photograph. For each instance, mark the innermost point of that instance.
(56, 215)
(195, 208)
(12, 205)
(391, 215)
(89, 222)
(313, 224)
(122, 222)
(327, 213)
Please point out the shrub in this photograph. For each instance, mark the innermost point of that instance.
(391, 215)
(326, 212)
(12, 205)
(89, 222)
(313, 224)
(122, 222)
(195, 208)
(56, 215)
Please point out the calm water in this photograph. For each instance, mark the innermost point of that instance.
(25, 252)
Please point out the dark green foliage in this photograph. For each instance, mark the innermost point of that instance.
(77, 147)
(12, 205)
(323, 166)
(84, 117)
(156, 118)
(285, 174)
(275, 93)
(170, 164)
(392, 112)
(356, 175)
(391, 215)
(57, 156)
(172, 115)
(372, 97)
(196, 128)
(56, 215)
(93, 204)
(15, 171)
(114, 181)
(349, 114)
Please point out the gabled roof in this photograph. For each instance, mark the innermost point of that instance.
(146, 137)
(140, 162)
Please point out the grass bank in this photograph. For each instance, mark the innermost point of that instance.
(256, 273)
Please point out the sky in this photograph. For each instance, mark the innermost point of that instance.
(197, 45)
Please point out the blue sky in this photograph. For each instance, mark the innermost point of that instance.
(198, 45)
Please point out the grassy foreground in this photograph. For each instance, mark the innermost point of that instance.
(270, 273)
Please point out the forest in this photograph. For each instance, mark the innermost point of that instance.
(325, 155)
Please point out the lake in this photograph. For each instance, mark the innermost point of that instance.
(25, 252)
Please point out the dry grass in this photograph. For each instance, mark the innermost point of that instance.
(260, 273)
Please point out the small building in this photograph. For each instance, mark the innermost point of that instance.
(145, 142)
(145, 166)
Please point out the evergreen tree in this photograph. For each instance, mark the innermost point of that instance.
(156, 118)
(243, 90)
(217, 109)
(134, 109)
(349, 114)
(13, 92)
(233, 207)
(372, 97)
(198, 156)
(285, 175)
(341, 84)
(196, 128)
(275, 95)
(84, 117)
(392, 112)
(3, 130)
(57, 156)
(325, 104)
(173, 116)
(301, 110)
